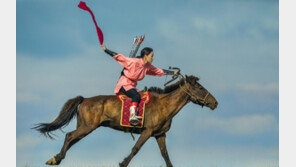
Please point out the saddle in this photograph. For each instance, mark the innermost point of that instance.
(125, 105)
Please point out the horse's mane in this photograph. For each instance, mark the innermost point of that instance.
(172, 87)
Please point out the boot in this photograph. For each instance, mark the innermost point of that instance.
(134, 119)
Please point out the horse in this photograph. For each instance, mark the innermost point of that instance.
(103, 110)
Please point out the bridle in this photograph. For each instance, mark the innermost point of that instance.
(201, 100)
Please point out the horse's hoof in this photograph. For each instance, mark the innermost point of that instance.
(51, 161)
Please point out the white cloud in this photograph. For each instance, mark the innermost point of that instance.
(257, 87)
(223, 53)
(27, 141)
(240, 125)
(257, 94)
(205, 25)
(169, 29)
(41, 80)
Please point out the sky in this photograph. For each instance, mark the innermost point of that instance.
(231, 45)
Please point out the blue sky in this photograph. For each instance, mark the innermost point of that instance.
(232, 45)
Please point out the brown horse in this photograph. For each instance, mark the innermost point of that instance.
(104, 111)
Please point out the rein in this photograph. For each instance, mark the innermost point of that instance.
(201, 100)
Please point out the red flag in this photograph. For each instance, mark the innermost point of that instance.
(82, 5)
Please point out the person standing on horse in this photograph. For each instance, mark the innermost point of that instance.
(135, 70)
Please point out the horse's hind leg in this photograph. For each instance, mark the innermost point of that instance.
(70, 139)
(86, 122)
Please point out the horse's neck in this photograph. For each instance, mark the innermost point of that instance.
(176, 101)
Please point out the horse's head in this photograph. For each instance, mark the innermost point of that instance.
(198, 94)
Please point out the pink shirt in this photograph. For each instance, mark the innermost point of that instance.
(135, 70)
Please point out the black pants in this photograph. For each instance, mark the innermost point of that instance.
(132, 93)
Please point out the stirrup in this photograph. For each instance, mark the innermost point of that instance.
(134, 121)
(139, 117)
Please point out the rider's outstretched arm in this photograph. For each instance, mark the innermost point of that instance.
(111, 53)
(158, 72)
(121, 59)
(168, 72)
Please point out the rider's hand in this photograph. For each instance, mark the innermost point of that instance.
(176, 72)
(104, 47)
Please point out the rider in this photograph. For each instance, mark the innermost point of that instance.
(135, 70)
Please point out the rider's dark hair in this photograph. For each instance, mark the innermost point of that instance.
(146, 51)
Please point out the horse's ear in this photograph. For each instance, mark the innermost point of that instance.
(186, 78)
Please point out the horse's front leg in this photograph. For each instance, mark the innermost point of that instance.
(162, 146)
(143, 138)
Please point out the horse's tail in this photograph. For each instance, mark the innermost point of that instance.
(68, 111)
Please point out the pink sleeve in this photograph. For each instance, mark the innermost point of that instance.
(124, 61)
(155, 71)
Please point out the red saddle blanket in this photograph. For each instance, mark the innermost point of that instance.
(125, 105)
